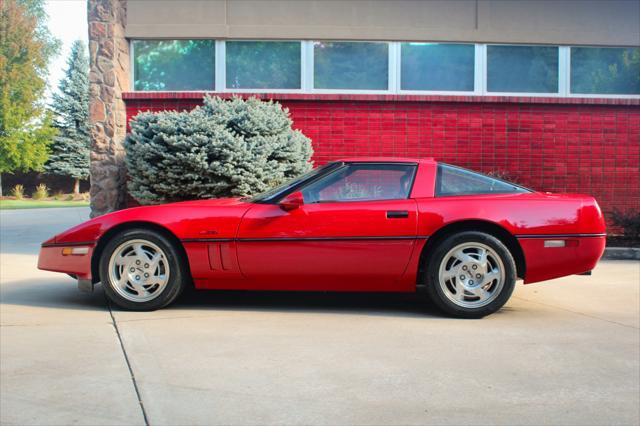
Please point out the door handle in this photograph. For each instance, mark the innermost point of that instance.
(397, 214)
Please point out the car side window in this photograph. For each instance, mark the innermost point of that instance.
(362, 182)
(457, 181)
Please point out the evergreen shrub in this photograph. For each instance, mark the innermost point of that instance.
(225, 148)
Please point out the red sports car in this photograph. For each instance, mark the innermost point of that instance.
(360, 224)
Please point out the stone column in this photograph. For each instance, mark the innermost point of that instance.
(108, 77)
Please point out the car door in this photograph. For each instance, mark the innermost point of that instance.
(355, 231)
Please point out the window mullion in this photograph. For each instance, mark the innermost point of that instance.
(563, 70)
(311, 76)
(220, 66)
(480, 70)
(132, 66)
(393, 67)
(307, 65)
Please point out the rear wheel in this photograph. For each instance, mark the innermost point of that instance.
(141, 270)
(470, 275)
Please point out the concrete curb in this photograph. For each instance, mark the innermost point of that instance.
(621, 253)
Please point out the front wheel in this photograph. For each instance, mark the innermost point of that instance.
(470, 275)
(141, 270)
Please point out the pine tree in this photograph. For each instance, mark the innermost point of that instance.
(226, 148)
(70, 149)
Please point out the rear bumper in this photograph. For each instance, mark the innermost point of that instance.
(579, 254)
(51, 258)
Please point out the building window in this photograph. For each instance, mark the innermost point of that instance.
(351, 65)
(437, 67)
(522, 69)
(174, 64)
(384, 67)
(605, 70)
(263, 64)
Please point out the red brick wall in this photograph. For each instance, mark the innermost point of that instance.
(585, 146)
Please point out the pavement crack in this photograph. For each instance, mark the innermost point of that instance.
(126, 358)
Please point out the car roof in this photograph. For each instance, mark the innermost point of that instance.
(385, 160)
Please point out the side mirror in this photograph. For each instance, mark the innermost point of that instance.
(292, 201)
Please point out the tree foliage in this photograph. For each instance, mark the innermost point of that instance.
(70, 149)
(25, 49)
(224, 148)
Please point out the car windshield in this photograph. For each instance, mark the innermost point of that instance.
(275, 192)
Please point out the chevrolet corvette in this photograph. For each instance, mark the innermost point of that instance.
(359, 225)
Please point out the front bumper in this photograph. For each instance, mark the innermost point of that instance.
(61, 257)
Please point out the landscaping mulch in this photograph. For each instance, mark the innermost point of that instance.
(622, 241)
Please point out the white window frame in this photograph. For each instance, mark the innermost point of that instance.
(390, 58)
(132, 66)
(480, 71)
(394, 72)
(477, 84)
(223, 84)
(563, 71)
(307, 66)
(394, 67)
(220, 66)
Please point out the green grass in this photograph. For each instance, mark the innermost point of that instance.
(33, 204)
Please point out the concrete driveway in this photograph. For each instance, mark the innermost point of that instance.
(561, 352)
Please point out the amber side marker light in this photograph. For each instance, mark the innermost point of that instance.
(560, 243)
(75, 251)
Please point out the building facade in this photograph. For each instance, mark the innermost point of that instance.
(544, 93)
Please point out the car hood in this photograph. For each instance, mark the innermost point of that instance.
(215, 218)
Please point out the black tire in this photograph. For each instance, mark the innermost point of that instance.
(177, 270)
(432, 271)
